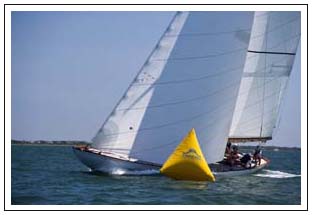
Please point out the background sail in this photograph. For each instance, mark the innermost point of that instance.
(191, 80)
(271, 53)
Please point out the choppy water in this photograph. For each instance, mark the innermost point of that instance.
(52, 175)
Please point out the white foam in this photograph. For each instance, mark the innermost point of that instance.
(138, 172)
(276, 174)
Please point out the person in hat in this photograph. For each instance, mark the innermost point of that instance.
(257, 156)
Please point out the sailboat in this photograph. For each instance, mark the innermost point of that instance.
(221, 73)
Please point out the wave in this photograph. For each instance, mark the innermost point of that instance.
(276, 174)
(135, 173)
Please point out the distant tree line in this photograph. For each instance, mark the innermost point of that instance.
(45, 142)
(83, 143)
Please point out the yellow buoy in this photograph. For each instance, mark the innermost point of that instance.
(187, 162)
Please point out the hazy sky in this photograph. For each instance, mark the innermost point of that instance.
(69, 69)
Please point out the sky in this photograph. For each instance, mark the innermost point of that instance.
(69, 69)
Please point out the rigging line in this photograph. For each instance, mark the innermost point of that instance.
(140, 96)
(273, 47)
(275, 28)
(191, 79)
(168, 143)
(259, 101)
(270, 111)
(248, 58)
(207, 33)
(183, 120)
(156, 147)
(212, 55)
(201, 57)
(256, 126)
(279, 107)
(233, 31)
(176, 141)
(257, 117)
(251, 120)
(196, 98)
(285, 41)
(220, 73)
(258, 86)
(173, 123)
(265, 64)
(212, 121)
(234, 84)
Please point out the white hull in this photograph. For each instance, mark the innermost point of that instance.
(232, 173)
(111, 163)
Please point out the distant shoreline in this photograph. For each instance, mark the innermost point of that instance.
(48, 143)
(83, 143)
(32, 144)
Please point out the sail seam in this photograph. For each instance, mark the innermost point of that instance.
(202, 57)
(253, 119)
(182, 120)
(229, 32)
(198, 128)
(206, 33)
(191, 99)
(220, 73)
(275, 28)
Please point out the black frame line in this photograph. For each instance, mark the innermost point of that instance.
(307, 7)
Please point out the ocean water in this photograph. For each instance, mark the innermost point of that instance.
(51, 175)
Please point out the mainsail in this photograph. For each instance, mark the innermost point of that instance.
(271, 53)
(190, 80)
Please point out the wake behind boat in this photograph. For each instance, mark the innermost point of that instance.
(222, 73)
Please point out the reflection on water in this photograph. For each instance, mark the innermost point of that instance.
(189, 185)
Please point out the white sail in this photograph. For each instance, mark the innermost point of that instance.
(190, 80)
(271, 53)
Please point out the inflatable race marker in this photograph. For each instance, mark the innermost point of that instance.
(187, 162)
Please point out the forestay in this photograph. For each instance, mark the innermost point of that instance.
(190, 80)
(271, 53)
